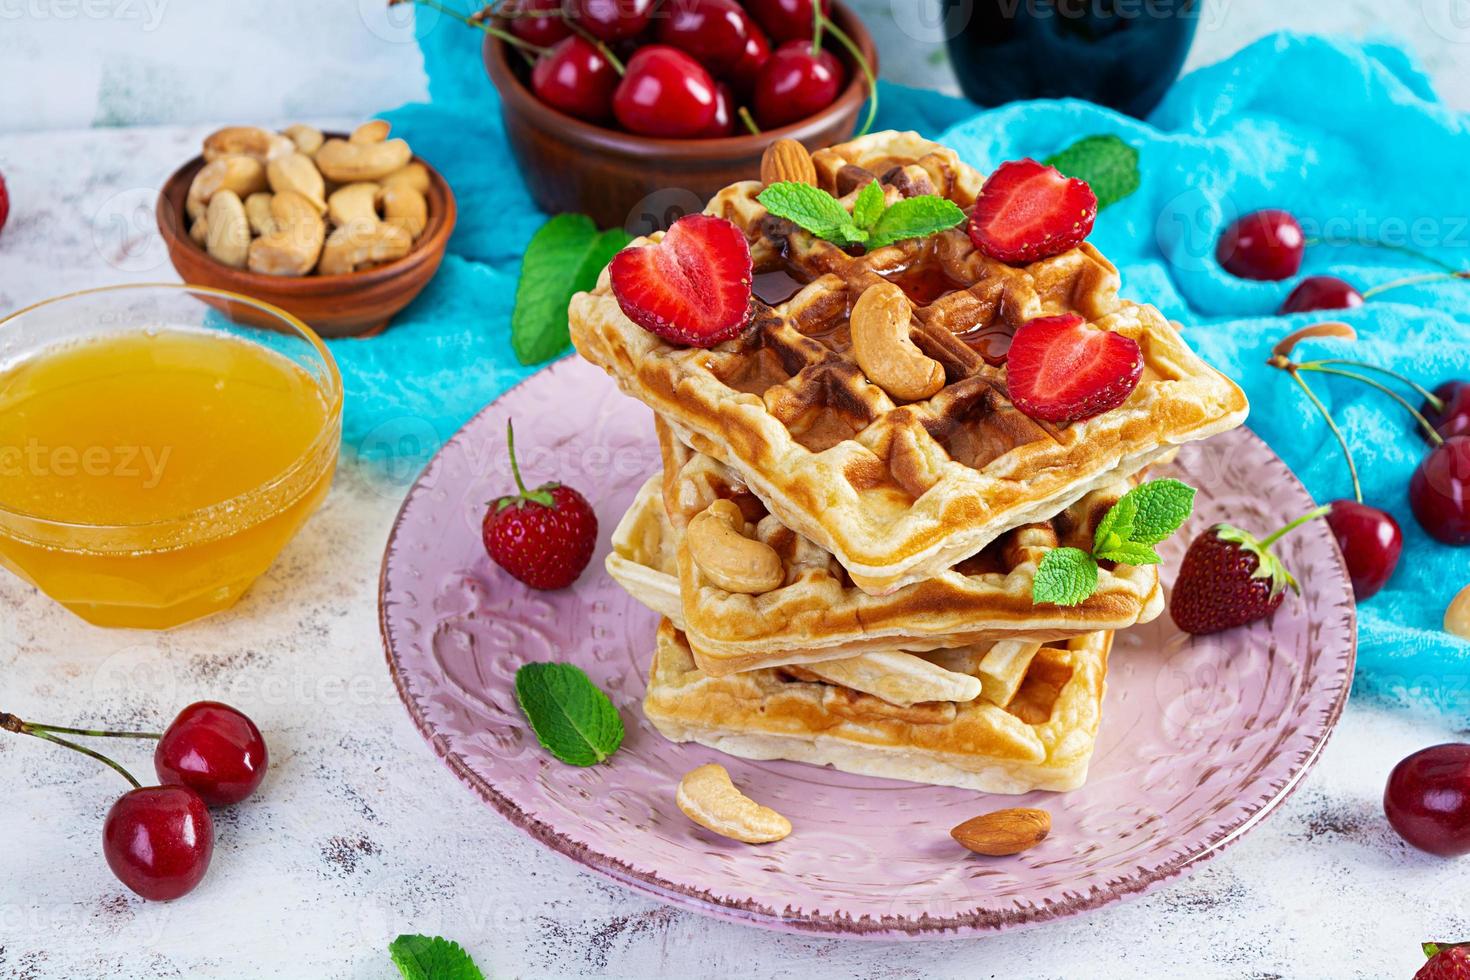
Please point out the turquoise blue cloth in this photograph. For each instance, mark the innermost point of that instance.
(1350, 138)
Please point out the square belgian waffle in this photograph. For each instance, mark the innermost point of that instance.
(817, 614)
(898, 491)
(1041, 737)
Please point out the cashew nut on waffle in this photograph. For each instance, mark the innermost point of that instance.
(1042, 737)
(295, 202)
(882, 435)
(816, 614)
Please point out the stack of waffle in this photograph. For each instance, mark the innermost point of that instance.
(846, 577)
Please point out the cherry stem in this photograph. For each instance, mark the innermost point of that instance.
(1291, 369)
(749, 121)
(817, 19)
(11, 723)
(468, 21)
(859, 57)
(1430, 434)
(1310, 515)
(1434, 400)
(1414, 281)
(91, 733)
(1374, 243)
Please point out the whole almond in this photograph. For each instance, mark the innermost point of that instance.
(787, 160)
(1003, 831)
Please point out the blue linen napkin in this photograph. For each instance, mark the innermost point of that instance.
(1350, 138)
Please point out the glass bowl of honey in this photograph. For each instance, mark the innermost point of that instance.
(159, 446)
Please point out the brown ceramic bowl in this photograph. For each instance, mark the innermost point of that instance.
(638, 182)
(350, 305)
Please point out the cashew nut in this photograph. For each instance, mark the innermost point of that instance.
(228, 237)
(308, 139)
(710, 799)
(343, 162)
(240, 174)
(415, 175)
(1457, 616)
(354, 203)
(880, 340)
(296, 172)
(372, 131)
(732, 561)
(250, 141)
(199, 231)
(295, 244)
(405, 207)
(258, 213)
(353, 246)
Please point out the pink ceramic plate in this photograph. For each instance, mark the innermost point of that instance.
(1201, 737)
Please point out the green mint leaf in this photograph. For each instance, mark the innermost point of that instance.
(868, 207)
(1130, 553)
(432, 958)
(565, 256)
(1065, 577)
(572, 718)
(1109, 166)
(915, 217)
(1161, 506)
(815, 210)
(1116, 527)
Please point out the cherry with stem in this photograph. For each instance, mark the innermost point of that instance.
(1370, 539)
(158, 840)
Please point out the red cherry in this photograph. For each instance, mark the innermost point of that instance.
(1265, 245)
(1370, 540)
(665, 92)
(714, 32)
(158, 841)
(786, 20)
(1321, 293)
(1427, 799)
(214, 750)
(576, 78)
(753, 58)
(540, 31)
(612, 20)
(1453, 421)
(4, 202)
(793, 84)
(723, 123)
(1439, 491)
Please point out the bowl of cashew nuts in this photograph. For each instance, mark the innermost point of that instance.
(343, 231)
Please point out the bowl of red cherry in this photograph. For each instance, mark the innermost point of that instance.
(637, 111)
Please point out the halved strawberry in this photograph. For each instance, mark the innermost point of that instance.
(1028, 211)
(693, 288)
(1061, 370)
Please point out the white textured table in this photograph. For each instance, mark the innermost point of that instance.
(361, 834)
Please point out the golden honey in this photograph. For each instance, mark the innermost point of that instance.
(149, 477)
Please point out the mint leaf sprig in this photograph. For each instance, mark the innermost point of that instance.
(564, 257)
(1141, 518)
(572, 718)
(1109, 165)
(432, 958)
(871, 222)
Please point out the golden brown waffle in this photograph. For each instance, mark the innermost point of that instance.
(1041, 739)
(902, 491)
(818, 614)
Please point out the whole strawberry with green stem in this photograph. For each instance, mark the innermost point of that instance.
(1229, 578)
(543, 537)
(1447, 961)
